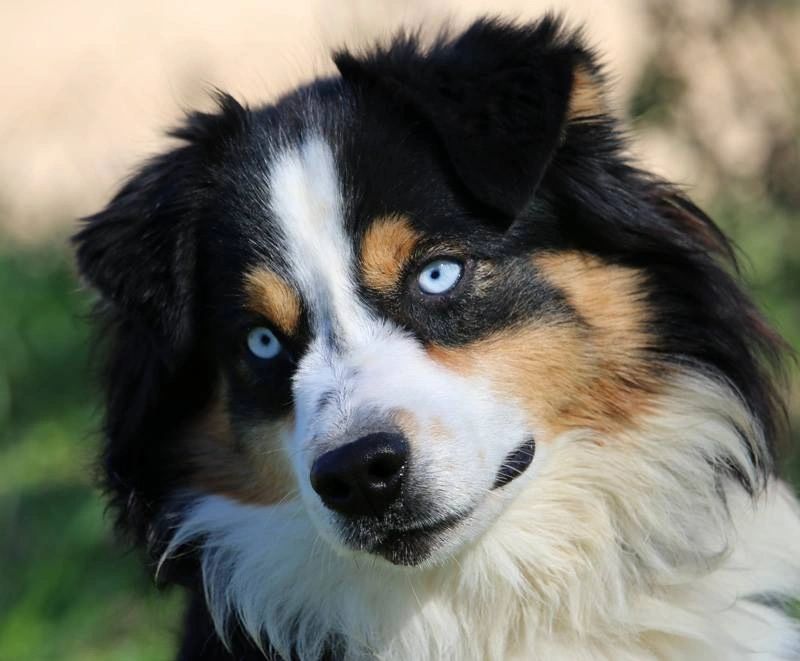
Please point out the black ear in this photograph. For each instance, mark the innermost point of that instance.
(140, 254)
(498, 96)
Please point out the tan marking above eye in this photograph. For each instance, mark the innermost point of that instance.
(270, 296)
(385, 250)
(586, 99)
(590, 371)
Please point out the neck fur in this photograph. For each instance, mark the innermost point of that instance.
(634, 547)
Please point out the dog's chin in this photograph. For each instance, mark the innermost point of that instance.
(421, 546)
(415, 545)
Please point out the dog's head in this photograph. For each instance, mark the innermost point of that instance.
(386, 304)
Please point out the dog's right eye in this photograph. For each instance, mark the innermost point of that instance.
(263, 344)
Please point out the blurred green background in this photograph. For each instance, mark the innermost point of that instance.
(67, 591)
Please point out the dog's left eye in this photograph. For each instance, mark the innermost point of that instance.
(439, 276)
(262, 343)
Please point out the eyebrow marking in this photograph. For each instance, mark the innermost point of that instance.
(270, 295)
(385, 250)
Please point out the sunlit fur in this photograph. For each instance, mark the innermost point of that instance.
(632, 551)
(596, 322)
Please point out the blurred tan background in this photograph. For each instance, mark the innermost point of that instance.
(88, 87)
(711, 89)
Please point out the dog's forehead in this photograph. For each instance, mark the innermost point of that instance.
(325, 179)
(307, 206)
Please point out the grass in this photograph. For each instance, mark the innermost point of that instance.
(67, 591)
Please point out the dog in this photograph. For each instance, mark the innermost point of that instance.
(416, 364)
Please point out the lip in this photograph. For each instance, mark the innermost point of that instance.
(428, 528)
(515, 464)
(411, 545)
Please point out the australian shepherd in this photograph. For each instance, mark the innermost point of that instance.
(416, 364)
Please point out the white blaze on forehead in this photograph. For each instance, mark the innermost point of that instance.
(306, 201)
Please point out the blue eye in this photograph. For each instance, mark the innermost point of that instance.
(440, 276)
(262, 343)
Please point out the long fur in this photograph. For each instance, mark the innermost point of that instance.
(598, 325)
(634, 551)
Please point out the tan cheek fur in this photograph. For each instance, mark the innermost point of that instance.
(252, 470)
(385, 249)
(569, 373)
(270, 296)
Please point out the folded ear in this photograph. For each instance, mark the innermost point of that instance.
(499, 96)
(139, 252)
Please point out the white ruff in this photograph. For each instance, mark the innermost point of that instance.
(622, 550)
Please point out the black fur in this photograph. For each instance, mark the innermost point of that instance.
(140, 253)
(471, 139)
(496, 96)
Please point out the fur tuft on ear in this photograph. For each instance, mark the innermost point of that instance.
(498, 96)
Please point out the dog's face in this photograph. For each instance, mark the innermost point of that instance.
(388, 354)
(384, 305)
(371, 348)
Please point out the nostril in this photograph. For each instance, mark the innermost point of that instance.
(332, 488)
(385, 466)
(363, 477)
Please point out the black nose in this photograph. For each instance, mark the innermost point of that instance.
(363, 477)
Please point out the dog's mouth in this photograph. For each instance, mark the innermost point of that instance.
(515, 464)
(412, 543)
(404, 544)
